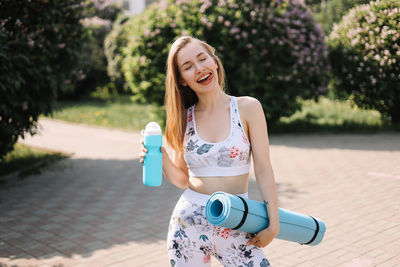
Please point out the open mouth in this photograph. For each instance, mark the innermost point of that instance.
(205, 78)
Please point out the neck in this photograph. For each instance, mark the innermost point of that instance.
(212, 100)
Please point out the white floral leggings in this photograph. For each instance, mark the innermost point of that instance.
(192, 240)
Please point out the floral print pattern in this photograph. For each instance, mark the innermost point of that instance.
(204, 149)
(235, 151)
(191, 239)
(224, 159)
(192, 145)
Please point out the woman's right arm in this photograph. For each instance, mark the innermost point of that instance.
(175, 170)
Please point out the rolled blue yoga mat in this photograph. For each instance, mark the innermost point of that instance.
(235, 212)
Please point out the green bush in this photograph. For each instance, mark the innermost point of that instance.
(104, 9)
(94, 68)
(98, 21)
(272, 50)
(365, 56)
(40, 46)
(114, 42)
(332, 12)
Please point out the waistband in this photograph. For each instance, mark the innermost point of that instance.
(200, 198)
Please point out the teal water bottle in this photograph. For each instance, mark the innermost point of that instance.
(152, 163)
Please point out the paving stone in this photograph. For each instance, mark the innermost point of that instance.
(95, 245)
(93, 210)
(65, 244)
(11, 235)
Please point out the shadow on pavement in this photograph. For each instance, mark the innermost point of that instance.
(375, 142)
(80, 206)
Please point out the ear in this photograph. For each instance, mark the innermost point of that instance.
(216, 63)
(183, 83)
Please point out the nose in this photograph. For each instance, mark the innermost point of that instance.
(199, 67)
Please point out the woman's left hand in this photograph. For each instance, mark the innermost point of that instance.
(264, 237)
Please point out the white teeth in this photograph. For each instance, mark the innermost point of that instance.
(208, 75)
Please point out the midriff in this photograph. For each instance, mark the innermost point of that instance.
(230, 184)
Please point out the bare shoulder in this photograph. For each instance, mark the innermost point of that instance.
(249, 105)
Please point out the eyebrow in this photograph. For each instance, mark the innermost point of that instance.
(199, 54)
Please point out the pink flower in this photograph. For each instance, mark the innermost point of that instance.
(206, 258)
(25, 106)
(234, 30)
(227, 23)
(206, 4)
(222, 3)
(264, 52)
(225, 233)
(163, 5)
(143, 59)
(234, 152)
(244, 140)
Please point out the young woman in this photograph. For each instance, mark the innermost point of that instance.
(213, 136)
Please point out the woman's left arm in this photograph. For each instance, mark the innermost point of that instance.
(258, 135)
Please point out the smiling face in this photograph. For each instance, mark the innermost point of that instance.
(197, 68)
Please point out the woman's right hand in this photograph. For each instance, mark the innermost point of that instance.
(142, 154)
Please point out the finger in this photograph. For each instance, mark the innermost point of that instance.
(251, 241)
(145, 149)
(142, 155)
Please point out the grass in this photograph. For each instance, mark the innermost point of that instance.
(323, 116)
(25, 161)
(332, 116)
(115, 112)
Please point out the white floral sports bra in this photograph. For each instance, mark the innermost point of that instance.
(227, 158)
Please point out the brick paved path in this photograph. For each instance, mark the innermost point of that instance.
(92, 209)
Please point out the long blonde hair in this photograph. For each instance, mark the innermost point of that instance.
(178, 97)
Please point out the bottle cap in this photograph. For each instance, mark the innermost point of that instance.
(152, 128)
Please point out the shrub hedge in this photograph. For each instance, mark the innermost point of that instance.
(365, 56)
(114, 42)
(332, 11)
(98, 21)
(272, 50)
(40, 55)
